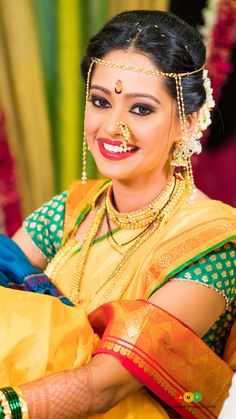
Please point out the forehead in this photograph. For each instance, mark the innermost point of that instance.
(106, 76)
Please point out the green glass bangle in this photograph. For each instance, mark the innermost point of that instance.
(14, 402)
(1, 413)
(15, 407)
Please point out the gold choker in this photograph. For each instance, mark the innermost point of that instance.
(143, 217)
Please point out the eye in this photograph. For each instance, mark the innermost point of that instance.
(99, 102)
(142, 110)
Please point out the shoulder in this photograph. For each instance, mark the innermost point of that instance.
(199, 196)
(79, 189)
(79, 194)
(215, 269)
(56, 205)
(200, 206)
(45, 225)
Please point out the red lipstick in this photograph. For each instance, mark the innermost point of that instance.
(114, 155)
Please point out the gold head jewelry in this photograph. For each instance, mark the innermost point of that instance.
(125, 134)
(118, 87)
(186, 149)
(151, 72)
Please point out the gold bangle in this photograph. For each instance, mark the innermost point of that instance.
(5, 406)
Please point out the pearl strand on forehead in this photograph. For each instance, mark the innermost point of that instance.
(142, 69)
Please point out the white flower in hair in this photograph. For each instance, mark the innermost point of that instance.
(204, 119)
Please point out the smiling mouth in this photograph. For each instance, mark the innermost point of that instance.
(115, 150)
(118, 149)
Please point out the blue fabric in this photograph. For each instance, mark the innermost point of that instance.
(17, 272)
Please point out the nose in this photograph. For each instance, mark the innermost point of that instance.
(110, 124)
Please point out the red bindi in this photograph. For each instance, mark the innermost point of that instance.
(118, 87)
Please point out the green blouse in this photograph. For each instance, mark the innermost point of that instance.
(45, 225)
(216, 270)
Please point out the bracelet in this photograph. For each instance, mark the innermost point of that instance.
(13, 401)
(12, 404)
(1, 412)
(23, 403)
(6, 411)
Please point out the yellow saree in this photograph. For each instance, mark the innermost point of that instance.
(195, 230)
(68, 340)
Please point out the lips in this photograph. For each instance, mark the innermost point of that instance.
(112, 149)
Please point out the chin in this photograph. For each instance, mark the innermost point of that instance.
(111, 171)
(113, 175)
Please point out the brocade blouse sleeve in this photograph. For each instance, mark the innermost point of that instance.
(45, 225)
(216, 270)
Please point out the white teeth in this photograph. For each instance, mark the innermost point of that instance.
(116, 148)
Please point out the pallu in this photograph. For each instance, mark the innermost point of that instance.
(159, 350)
(40, 335)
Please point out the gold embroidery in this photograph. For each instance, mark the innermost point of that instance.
(171, 386)
(174, 251)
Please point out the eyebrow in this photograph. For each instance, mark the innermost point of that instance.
(128, 95)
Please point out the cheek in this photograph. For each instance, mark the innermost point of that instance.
(157, 130)
(92, 121)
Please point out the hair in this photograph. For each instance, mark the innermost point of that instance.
(171, 44)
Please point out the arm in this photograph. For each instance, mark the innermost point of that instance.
(79, 393)
(41, 236)
(30, 250)
(85, 391)
(194, 304)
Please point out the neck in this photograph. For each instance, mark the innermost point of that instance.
(134, 194)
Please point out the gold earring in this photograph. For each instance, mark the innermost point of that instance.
(180, 155)
(84, 161)
(181, 160)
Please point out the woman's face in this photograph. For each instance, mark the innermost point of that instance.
(146, 108)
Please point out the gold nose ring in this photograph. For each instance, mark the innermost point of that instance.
(125, 134)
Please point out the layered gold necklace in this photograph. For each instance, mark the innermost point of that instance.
(143, 217)
(172, 197)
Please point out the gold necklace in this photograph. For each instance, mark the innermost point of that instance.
(111, 286)
(61, 257)
(70, 248)
(143, 217)
(110, 234)
(99, 297)
(77, 275)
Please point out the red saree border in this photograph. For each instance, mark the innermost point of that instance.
(159, 389)
(163, 354)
